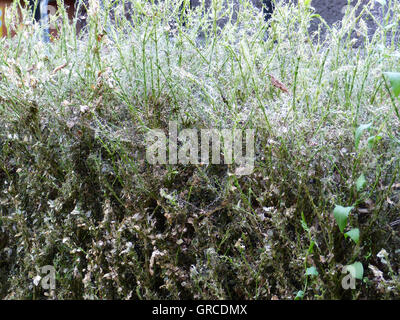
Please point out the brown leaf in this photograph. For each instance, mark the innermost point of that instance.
(31, 68)
(100, 37)
(277, 84)
(60, 67)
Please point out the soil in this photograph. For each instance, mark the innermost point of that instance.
(332, 11)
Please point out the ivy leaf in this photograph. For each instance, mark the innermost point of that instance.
(359, 131)
(356, 270)
(394, 78)
(299, 295)
(341, 214)
(361, 182)
(354, 234)
(311, 271)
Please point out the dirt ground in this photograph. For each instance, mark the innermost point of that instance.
(332, 11)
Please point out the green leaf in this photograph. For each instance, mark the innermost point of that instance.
(354, 234)
(299, 295)
(382, 2)
(341, 214)
(394, 78)
(361, 182)
(390, 26)
(304, 223)
(373, 140)
(356, 270)
(311, 271)
(311, 247)
(359, 131)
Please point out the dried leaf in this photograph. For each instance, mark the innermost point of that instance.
(84, 108)
(70, 124)
(154, 255)
(100, 37)
(277, 84)
(36, 280)
(31, 68)
(60, 68)
(377, 273)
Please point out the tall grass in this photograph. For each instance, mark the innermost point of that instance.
(77, 192)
